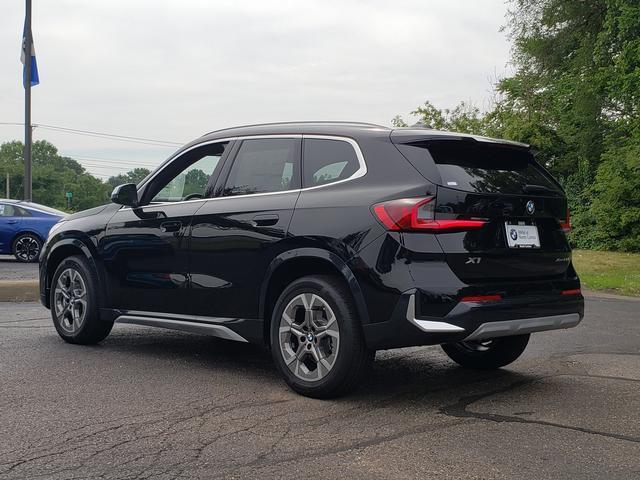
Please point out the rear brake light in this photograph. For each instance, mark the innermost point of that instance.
(407, 214)
(574, 291)
(481, 298)
(566, 225)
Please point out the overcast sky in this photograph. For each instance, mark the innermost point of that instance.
(173, 70)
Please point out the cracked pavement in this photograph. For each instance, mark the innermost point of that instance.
(150, 403)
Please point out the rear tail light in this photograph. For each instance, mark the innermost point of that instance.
(410, 214)
(574, 291)
(481, 298)
(566, 225)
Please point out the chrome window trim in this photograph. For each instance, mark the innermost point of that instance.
(361, 172)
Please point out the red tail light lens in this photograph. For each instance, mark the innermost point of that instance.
(407, 214)
(481, 298)
(566, 225)
(574, 291)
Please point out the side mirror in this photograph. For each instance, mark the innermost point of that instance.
(126, 195)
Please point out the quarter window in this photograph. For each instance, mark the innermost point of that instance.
(265, 165)
(327, 161)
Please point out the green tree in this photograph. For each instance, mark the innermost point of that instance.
(132, 176)
(53, 176)
(575, 98)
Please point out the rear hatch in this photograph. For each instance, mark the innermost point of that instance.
(524, 208)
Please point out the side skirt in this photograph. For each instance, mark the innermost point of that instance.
(194, 324)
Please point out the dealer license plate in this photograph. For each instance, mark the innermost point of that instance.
(522, 236)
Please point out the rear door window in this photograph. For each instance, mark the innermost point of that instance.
(265, 165)
(326, 161)
(488, 168)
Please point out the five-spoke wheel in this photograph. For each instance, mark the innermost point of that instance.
(309, 337)
(74, 306)
(316, 337)
(70, 294)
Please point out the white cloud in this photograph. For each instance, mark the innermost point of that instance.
(175, 69)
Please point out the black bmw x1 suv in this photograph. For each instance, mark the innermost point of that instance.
(326, 241)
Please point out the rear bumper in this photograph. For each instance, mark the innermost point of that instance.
(474, 320)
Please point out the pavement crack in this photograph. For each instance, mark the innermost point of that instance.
(460, 410)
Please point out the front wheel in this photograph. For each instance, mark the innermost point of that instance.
(316, 338)
(487, 354)
(74, 303)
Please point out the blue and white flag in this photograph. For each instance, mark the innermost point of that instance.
(35, 79)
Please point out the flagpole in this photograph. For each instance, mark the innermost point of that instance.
(27, 106)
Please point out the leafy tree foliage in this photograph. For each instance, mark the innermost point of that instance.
(575, 98)
(133, 176)
(53, 176)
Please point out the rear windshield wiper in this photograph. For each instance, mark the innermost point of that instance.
(537, 189)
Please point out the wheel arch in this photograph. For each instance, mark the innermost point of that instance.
(297, 263)
(25, 231)
(65, 248)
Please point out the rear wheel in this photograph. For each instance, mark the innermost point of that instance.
(26, 248)
(316, 339)
(487, 354)
(74, 306)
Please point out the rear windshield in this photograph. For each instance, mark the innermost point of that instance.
(488, 168)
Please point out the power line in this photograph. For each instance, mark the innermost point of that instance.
(108, 136)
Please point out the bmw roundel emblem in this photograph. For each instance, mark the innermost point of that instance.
(531, 207)
(513, 234)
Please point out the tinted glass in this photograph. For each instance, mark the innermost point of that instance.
(191, 181)
(7, 210)
(327, 161)
(264, 165)
(490, 168)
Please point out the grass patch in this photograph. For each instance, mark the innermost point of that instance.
(614, 272)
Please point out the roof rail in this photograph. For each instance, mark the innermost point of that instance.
(303, 122)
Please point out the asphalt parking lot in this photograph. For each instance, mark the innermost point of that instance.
(157, 404)
(10, 269)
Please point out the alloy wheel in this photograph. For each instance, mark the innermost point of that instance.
(27, 248)
(309, 337)
(70, 296)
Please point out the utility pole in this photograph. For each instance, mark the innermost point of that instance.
(28, 40)
(8, 185)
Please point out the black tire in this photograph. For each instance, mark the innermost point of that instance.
(26, 248)
(351, 359)
(487, 354)
(91, 329)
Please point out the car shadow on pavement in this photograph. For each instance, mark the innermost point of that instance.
(401, 374)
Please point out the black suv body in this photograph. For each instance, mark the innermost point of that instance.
(326, 242)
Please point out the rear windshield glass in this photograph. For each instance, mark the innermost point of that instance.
(487, 168)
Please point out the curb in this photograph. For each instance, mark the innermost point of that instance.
(19, 291)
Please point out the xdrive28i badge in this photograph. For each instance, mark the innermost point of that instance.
(531, 207)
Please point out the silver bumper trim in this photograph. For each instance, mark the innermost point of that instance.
(428, 325)
(524, 325)
(183, 325)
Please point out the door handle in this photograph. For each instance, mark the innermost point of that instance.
(265, 220)
(170, 226)
(11, 222)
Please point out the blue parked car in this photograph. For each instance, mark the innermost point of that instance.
(24, 227)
